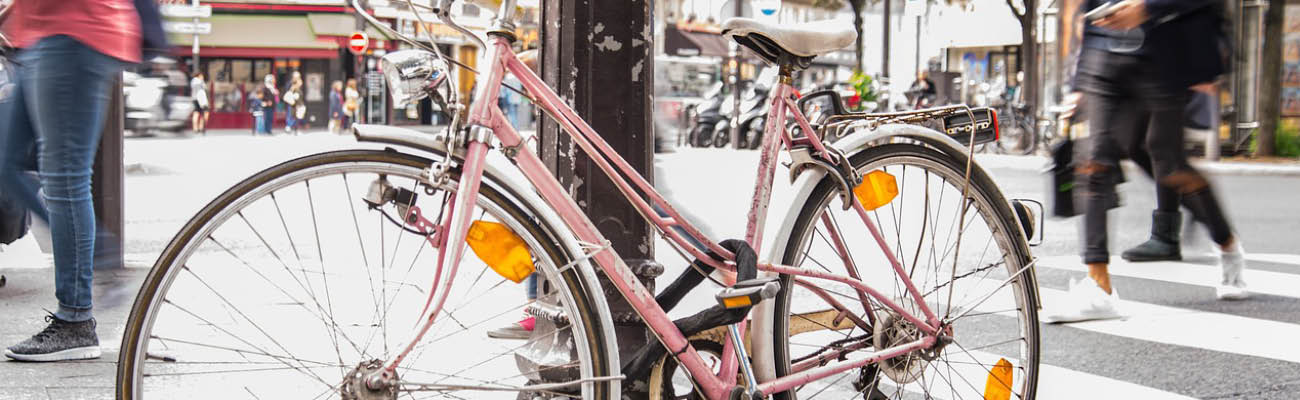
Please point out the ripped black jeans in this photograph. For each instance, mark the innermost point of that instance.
(1131, 115)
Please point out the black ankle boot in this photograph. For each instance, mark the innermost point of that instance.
(1163, 244)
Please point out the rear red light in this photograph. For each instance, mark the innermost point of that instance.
(996, 133)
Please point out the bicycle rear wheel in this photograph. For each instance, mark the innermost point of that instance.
(993, 316)
(289, 284)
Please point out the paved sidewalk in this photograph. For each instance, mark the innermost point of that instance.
(27, 293)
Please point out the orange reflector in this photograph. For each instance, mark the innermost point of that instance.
(878, 188)
(998, 386)
(736, 302)
(500, 249)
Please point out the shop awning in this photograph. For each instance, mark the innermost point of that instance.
(679, 42)
(259, 36)
(341, 25)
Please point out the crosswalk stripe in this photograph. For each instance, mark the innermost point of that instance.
(1191, 328)
(1266, 282)
(1293, 259)
(1177, 326)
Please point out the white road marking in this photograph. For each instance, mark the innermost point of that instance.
(1266, 282)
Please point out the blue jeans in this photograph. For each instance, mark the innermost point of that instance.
(290, 120)
(268, 117)
(59, 103)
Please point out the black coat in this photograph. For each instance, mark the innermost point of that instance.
(1185, 39)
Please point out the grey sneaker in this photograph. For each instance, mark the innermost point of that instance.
(61, 340)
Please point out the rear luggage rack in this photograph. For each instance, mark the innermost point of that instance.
(952, 120)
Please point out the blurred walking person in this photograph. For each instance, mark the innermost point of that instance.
(336, 107)
(351, 104)
(296, 107)
(202, 110)
(1137, 70)
(72, 51)
(270, 96)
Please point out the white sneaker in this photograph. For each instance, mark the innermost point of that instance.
(1085, 301)
(1233, 265)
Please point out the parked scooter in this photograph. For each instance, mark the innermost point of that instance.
(707, 115)
(754, 105)
(153, 103)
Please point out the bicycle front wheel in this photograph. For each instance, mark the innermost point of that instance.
(290, 285)
(967, 258)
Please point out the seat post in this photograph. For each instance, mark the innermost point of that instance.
(786, 73)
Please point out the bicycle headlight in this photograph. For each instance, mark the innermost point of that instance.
(414, 74)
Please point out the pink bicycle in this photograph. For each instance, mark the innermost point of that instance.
(345, 275)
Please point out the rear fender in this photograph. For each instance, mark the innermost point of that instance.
(850, 145)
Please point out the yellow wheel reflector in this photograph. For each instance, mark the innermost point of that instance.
(998, 386)
(878, 188)
(500, 249)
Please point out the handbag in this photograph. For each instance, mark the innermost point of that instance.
(14, 220)
(1060, 188)
(1062, 180)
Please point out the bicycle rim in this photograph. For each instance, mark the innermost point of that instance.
(996, 316)
(288, 283)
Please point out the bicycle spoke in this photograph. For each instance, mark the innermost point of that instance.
(330, 322)
(320, 253)
(259, 349)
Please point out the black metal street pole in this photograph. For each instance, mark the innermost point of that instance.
(884, 48)
(598, 56)
(734, 73)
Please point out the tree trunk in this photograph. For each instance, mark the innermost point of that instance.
(858, 48)
(1029, 56)
(1270, 79)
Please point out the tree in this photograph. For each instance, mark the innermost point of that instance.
(1028, 16)
(858, 50)
(1270, 79)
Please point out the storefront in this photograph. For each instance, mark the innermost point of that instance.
(243, 49)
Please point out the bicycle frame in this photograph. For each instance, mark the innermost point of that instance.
(485, 119)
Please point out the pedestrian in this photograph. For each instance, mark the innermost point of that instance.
(202, 110)
(336, 107)
(351, 104)
(255, 109)
(924, 90)
(270, 96)
(296, 107)
(1136, 71)
(1165, 242)
(72, 52)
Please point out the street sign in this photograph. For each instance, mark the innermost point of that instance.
(358, 42)
(189, 28)
(185, 11)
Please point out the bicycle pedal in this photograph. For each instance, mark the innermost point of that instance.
(748, 292)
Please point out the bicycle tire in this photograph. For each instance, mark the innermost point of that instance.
(987, 197)
(580, 296)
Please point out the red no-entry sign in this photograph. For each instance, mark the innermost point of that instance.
(358, 42)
